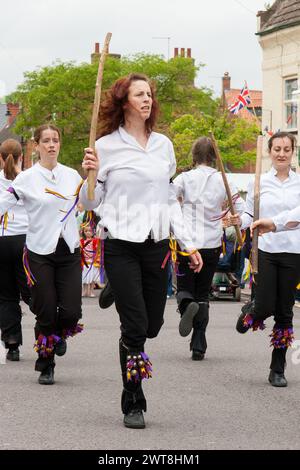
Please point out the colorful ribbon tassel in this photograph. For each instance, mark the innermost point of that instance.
(61, 196)
(70, 332)
(4, 222)
(102, 270)
(29, 276)
(254, 324)
(173, 254)
(44, 345)
(234, 198)
(139, 367)
(282, 338)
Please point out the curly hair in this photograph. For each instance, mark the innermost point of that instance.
(111, 110)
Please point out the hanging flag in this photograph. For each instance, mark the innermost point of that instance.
(242, 101)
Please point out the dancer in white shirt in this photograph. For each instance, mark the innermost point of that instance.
(278, 257)
(138, 207)
(202, 193)
(49, 192)
(13, 228)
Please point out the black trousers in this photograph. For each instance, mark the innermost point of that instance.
(195, 287)
(56, 295)
(13, 286)
(279, 274)
(140, 287)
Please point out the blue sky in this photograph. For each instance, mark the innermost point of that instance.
(220, 33)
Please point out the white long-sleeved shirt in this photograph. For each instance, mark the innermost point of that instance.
(275, 196)
(281, 220)
(134, 189)
(45, 211)
(17, 217)
(203, 194)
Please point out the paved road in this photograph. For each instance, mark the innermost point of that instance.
(223, 402)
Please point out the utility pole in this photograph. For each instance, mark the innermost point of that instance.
(164, 37)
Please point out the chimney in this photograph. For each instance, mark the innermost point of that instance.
(11, 113)
(189, 52)
(182, 52)
(175, 52)
(226, 85)
(95, 56)
(226, 82)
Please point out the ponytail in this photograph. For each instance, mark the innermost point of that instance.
(10, 167)
(10, 151)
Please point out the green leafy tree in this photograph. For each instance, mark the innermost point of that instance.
(236, 137)
(64, 92)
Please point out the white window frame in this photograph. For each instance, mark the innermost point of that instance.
(293, 101)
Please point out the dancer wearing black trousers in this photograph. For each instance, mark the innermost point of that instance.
(14, 224)
(202, 194)
(49, 192)
(138, 207)
(278, 255)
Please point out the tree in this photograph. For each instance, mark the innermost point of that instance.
(64, 93)
(236, 137)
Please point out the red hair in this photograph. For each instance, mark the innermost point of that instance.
(111, 110)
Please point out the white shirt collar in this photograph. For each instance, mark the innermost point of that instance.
(129, 139)
(273, 172)
(50, 174)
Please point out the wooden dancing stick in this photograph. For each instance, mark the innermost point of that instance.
(91, 173)
(254, 257)
(230, 203)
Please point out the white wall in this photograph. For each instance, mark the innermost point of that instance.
(281, 60)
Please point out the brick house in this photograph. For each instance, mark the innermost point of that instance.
(251, 113)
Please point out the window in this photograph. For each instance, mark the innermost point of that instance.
(290, 104)
(258, 111)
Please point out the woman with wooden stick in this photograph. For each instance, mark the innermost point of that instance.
(52, 262)
(138, 205)
(202, 194)
(278, 255)
(14, 225)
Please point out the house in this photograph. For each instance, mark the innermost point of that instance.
(251, 113)
(229, 96)
(278, 33)
(8, 114)
(3, 118)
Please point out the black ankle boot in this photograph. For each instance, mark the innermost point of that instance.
(47, 376)
(198, 342)
(133, 401)
(187, 318)
(277, 379)
(13, 353)
(197, 355)
(106, 297)
(134, 419)
(60, 348)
